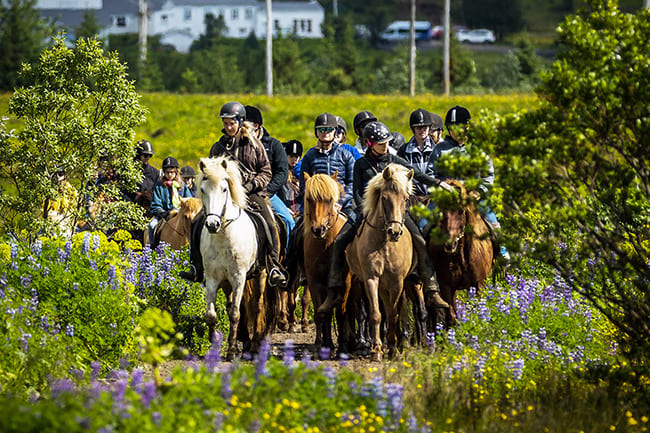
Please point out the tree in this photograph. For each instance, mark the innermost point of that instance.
(503, 16)
(575, 171)
(23, 34)
(78, 109)
(89, 27)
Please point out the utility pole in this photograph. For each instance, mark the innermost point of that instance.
(335, 8)
(142, 35)
(445, 57)
(412, 51)
(269, 48)
(646, 4)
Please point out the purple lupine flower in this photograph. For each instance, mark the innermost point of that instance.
(85, 244)
(60, 386)
(96, 242)
(288, 355)
(218, 421)
(69, 330)
(148, 393)
(330, 374)
(479, 369)
(325, 353)
(37, 247)
(431, 341)
(394, 396)
(26, 281)
(136, 377)
(45, 326)
(517, 368)
(95, 368)
(255, 426)
(262, 358)
(24, 339)
(226, 387)
(213, 357)
(156, 417)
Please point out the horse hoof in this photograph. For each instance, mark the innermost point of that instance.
(376, 356)
(293, 329)
(283, 325)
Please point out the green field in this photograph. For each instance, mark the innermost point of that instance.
(185, 126)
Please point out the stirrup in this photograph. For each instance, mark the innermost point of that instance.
(277, 278)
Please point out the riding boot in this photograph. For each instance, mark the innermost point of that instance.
(277, 276)
(337, 272)
(426, 270)
(195, 272)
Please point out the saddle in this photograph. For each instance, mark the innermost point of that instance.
(158, 229)
(263, 234)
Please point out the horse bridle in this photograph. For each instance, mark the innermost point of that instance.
(223, 221)
(386, 223)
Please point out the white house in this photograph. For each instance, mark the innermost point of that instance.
(180, 22)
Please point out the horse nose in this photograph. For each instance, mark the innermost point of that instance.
(318, 231)
(213, 225)
(394, 234)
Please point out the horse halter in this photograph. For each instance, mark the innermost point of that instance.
(387, 223)
(222, 221)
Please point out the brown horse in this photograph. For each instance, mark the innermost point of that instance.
(176, 230)
(322, 222)
(461, 250)
(381, 255)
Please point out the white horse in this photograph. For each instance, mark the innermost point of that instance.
(229, 249)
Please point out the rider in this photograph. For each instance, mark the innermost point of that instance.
(437, 128)
(419, 147)
(327, 157)
(376, 137)
(360, 120)
(341, 136)
(457, 142)
(279, 166)
(290, 192)
(150, 175)
(166, 194)
(188, 174)
(240, 144)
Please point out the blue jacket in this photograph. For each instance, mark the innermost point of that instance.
(161, 200)
(336, 159)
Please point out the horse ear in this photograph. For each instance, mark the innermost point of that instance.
(410, 174)
(202, 165)
(335, 176)
(307, 176)
(388, 173)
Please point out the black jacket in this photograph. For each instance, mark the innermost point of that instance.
(370, 164)
(279, 163)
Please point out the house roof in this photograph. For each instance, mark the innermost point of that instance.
(74, 17)
(296, 5)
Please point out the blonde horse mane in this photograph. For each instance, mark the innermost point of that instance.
(321, 187)
(216, 169)
(395, 177)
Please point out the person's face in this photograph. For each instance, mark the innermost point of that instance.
(378, 148)
(436, 135)
(293, 160)
(189, 181)
(325, 134)
(144, 159)
(420, 132)
(231, 126)
(170, 173)
(460, 133)
(340, 136)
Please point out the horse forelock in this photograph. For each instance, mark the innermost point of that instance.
(193, 205)
(214, 171)
(321, 187)
(399, 182)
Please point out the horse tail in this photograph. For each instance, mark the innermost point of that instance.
(273, 308)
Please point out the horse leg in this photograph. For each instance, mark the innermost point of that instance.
(259, 311)
(305, 300)
(235, 298)
(372, 290)
(284, 319)
(211, 288)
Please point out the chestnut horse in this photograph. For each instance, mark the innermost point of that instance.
(176, 230)
(381, 255)
(322, 223)
(461, 250)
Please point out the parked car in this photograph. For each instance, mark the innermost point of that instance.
(437, 31)
(400, 30)
(476, 36)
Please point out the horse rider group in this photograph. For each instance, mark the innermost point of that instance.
(273, 178)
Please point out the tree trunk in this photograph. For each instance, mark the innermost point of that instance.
(269, 48)
(412, 51)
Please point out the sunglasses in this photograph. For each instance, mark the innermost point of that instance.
(325, 129)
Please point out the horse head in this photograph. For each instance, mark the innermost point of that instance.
(454, 220)
(322, 194)
(389, 192)
(221, 192)
(190, 207)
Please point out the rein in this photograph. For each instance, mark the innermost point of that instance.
(366, 221)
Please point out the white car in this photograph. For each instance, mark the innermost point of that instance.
(476, 36)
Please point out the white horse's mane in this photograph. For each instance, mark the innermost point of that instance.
(216, 169)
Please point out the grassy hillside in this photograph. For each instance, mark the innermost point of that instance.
(185, 126)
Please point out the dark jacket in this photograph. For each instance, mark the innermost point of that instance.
(336, 159)
(161, 200)
(253, 162)
(278, 160)
(417, 158)
(371, 164)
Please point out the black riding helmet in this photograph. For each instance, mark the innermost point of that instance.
(188, 171)
(457, 116)
(377, 132)
(233, 110)
(144, 147)
(325, 120)
(398, 140)
(340, 124)
(170, 162)
(360, 120)
(436, 122)
(420, 117)
(293, 147)
(253, 114)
